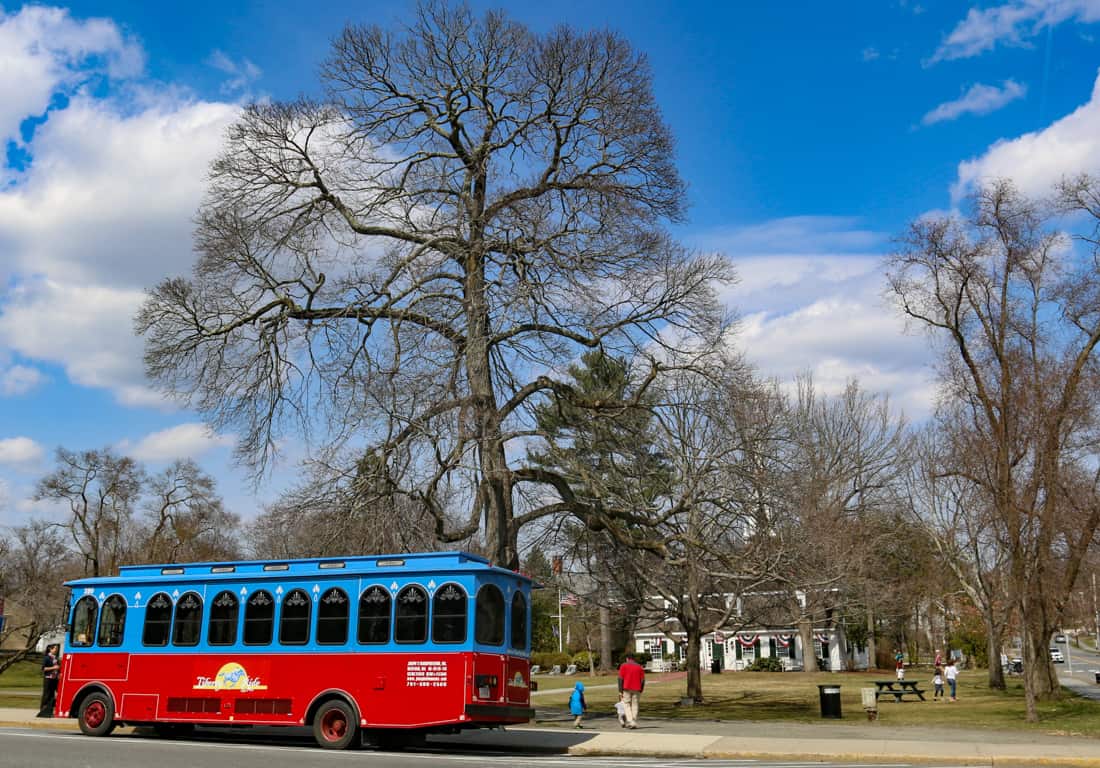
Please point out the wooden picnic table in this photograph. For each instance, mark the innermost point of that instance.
(899, 689)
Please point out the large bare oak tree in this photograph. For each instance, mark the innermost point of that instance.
(405, 265)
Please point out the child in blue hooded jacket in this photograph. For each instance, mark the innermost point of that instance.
(577, 706)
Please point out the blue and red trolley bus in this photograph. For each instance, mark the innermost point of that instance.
(379, 648)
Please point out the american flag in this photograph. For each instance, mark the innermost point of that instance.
(570, 599)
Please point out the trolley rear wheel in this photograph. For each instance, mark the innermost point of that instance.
(334, 725)
(96, 715)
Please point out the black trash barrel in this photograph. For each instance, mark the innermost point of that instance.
(1097, 677)
(830, 700)
(715, 667)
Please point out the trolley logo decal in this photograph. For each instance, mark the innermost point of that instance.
(518, 681)
(231, 677)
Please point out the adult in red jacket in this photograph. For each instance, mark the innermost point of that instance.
(631, 685)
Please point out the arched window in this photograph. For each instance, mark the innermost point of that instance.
(158, 620)
(259, 619)
(112, 621)
(332, 618)
(519, 622)
(223, 619)
(411, 619)
(294, 623)
(82, 631)
(374, 616)
(489, 624)
(449, 614)
(188, 622)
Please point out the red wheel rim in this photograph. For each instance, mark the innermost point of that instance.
(334, 725)
(94, 714)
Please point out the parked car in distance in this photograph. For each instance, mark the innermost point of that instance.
(1056, 655)
(1059, 638)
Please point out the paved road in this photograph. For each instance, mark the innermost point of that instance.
(20, 748)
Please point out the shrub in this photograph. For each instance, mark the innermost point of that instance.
(547, 660)
(765, 664)
(583, 661)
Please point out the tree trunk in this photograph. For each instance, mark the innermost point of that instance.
(694, 676)
(872, 650)
(605, 639)
(993, 648)
(1039, 672)
(806, 632)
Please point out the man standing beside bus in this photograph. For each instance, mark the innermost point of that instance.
(631, 685)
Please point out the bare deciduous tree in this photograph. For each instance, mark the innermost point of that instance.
(185, 519)
(101, 491)
(410, 261)
(1015, 306)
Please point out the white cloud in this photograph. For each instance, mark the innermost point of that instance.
(20, 451)
(810, 299)
(19, 380)
(980, 99)
(241, 74)
(104, 209)
(870, 54)
(1039, 159)
(1011, 23)
(185, 441)
(44, 50)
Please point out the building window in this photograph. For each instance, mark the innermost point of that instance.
(223, 619)
(83, 625)
(411, 621)
(449, 614)
(374, 616)
(158, 620)
(187, 625)
(259, 619)
(519, 621)
(112, 621)
(294, 622)
(332, 618)
(489, 629)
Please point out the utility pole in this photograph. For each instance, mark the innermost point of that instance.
(1095, 613)
(561, 637)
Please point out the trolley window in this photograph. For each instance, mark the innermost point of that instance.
(158, 620)
(83, 625)
(374, 616)
(449, 614)
(187, 625)
(332, 618)
(294, 623)
(223, 619)
(489, 629)
(411, 621)
(112, 621)
(519, 621)
(259, 619)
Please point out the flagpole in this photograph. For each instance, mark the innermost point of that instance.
(560, 635)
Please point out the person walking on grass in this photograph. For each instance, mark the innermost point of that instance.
(577, 706)
(952, 675)
(937, 684)
(631, 685)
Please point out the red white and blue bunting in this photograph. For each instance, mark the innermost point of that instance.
(822, 637)
(784, 641)
(748, 641)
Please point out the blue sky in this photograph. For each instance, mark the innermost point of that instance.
(809, 134)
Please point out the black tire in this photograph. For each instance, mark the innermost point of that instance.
(334, 725)
(96, 715)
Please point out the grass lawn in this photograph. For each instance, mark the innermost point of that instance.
(793, 696)
(25, 674)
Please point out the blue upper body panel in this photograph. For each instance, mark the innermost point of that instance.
(139, 584)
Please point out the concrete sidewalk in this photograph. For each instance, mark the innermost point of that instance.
(856, 741)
